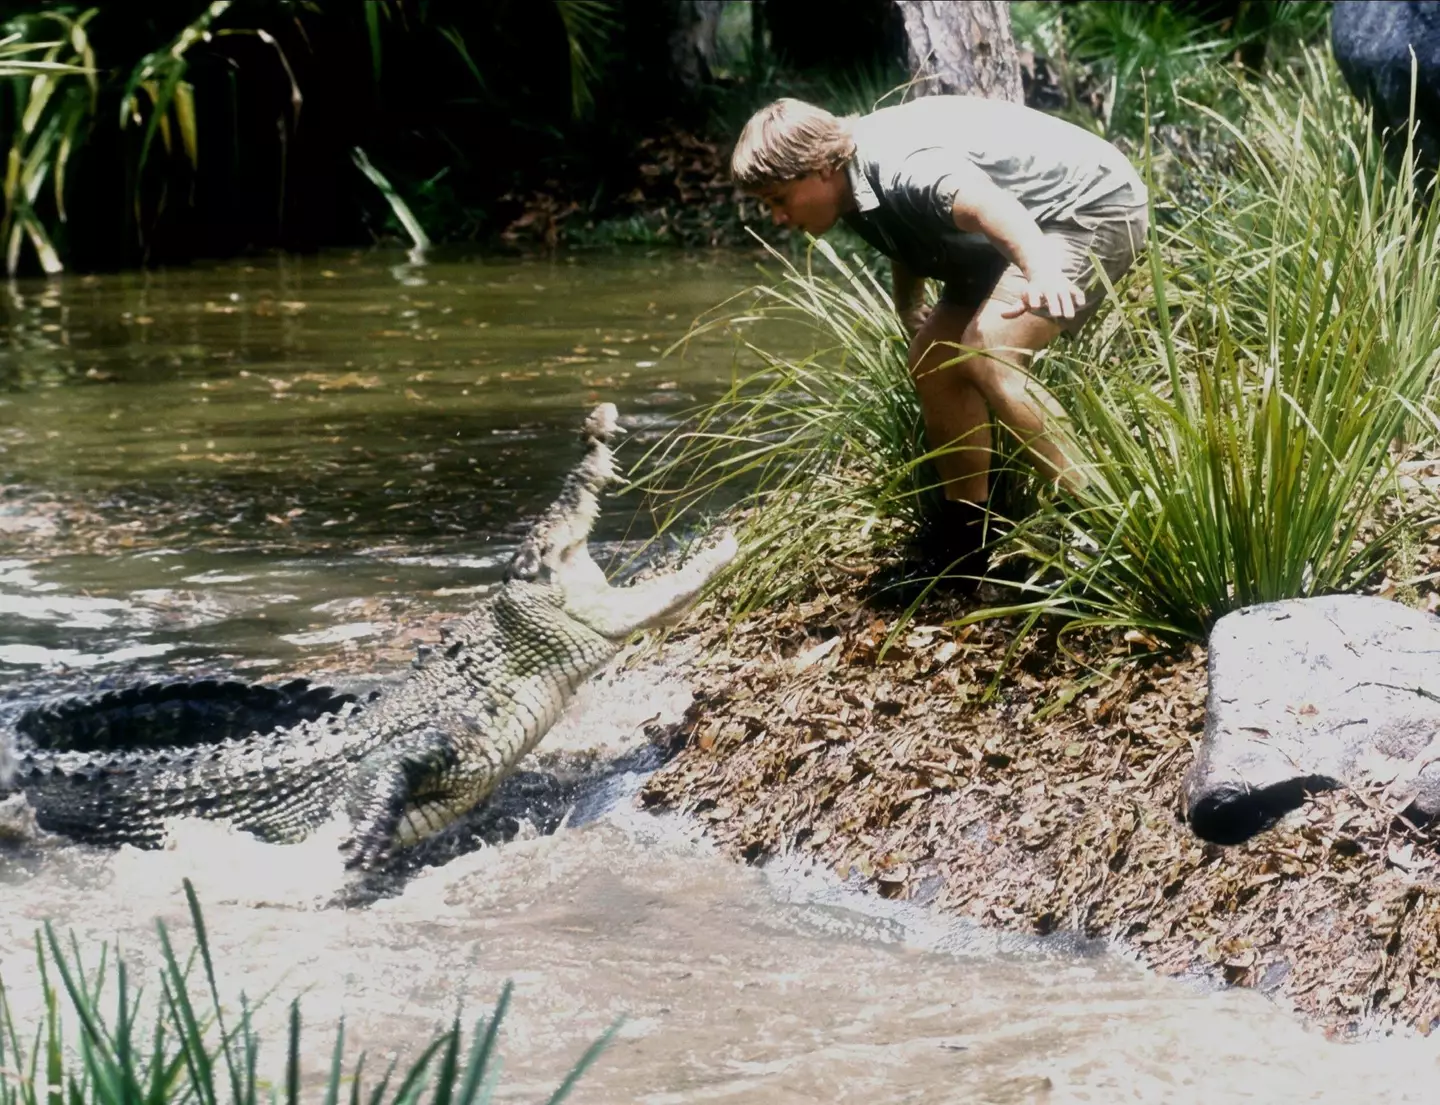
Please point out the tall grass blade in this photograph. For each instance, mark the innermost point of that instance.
(292, 1058)
(105, 1066)
(588, 25)
(591, 1054)
(449, 1064)
(373, 11)
(332, 1086)
(483, 1048)
(419, 239)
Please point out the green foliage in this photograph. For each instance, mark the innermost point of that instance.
(53, 108)
(133, 91)
(50, 93)
(588, 27)
(1127, 66)
(156, 90)
(823, 450)
(863, 89)
(1236, 405)
(854, 91)
(1145, 51)
(18, 57)
(419, 240)
(185, 1050)
(646, 229)
(1240, 420)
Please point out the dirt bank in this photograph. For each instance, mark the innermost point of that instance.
(1055, 806)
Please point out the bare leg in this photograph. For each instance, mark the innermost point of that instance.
(954, 409)
(959, 391)
(1017, 401)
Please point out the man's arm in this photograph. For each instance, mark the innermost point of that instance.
(983, 206)
(908, 292)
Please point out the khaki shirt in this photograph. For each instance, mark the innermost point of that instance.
(905, 155)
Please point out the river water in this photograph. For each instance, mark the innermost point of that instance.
(269, 466)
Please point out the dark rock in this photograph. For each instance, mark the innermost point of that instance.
(1311, 694)
(1372, 40)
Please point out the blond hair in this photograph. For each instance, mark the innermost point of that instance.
(787, 140)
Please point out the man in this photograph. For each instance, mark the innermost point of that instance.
(1011, 208)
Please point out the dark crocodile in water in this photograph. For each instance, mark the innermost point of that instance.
(159, 715)
(402, 767)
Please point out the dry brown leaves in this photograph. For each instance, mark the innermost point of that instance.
(542, 215)
(682, 187)
(1054, 806)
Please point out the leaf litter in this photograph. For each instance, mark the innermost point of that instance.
(1051, 805)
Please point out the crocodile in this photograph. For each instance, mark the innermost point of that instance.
(202, 710)
(400, 767)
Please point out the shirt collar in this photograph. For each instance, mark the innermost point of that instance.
(865, 198)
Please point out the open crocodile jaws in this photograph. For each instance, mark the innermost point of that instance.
(427, 751)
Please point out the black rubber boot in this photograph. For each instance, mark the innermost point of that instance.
(946, 557)
(953, 544)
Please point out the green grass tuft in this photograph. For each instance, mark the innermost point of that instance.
(185, 1051)
(821, 449)
(1240, 417)
(1236, 403)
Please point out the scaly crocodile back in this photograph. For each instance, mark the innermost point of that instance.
(278, 785)
(154, 715)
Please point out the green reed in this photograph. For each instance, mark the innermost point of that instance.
(823, 450)
(1240, 417)
(184, 1048)
(1236, 405)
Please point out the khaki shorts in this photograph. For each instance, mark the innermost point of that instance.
(1115, 239)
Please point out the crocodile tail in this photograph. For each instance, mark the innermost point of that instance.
(182, 714)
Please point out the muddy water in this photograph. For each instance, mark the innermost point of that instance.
(246, 460)
(247, 466)
(735, 985)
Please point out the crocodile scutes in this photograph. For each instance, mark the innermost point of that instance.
(417, 757)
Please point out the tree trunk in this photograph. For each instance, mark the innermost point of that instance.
(961, 49)
(692, 41)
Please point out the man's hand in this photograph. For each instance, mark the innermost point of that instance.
(981, 205)
(1050, 291)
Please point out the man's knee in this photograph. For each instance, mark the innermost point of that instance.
(980, 334)
(1002, 356)
(1009, 341)
(936, 341)
(946, 359)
